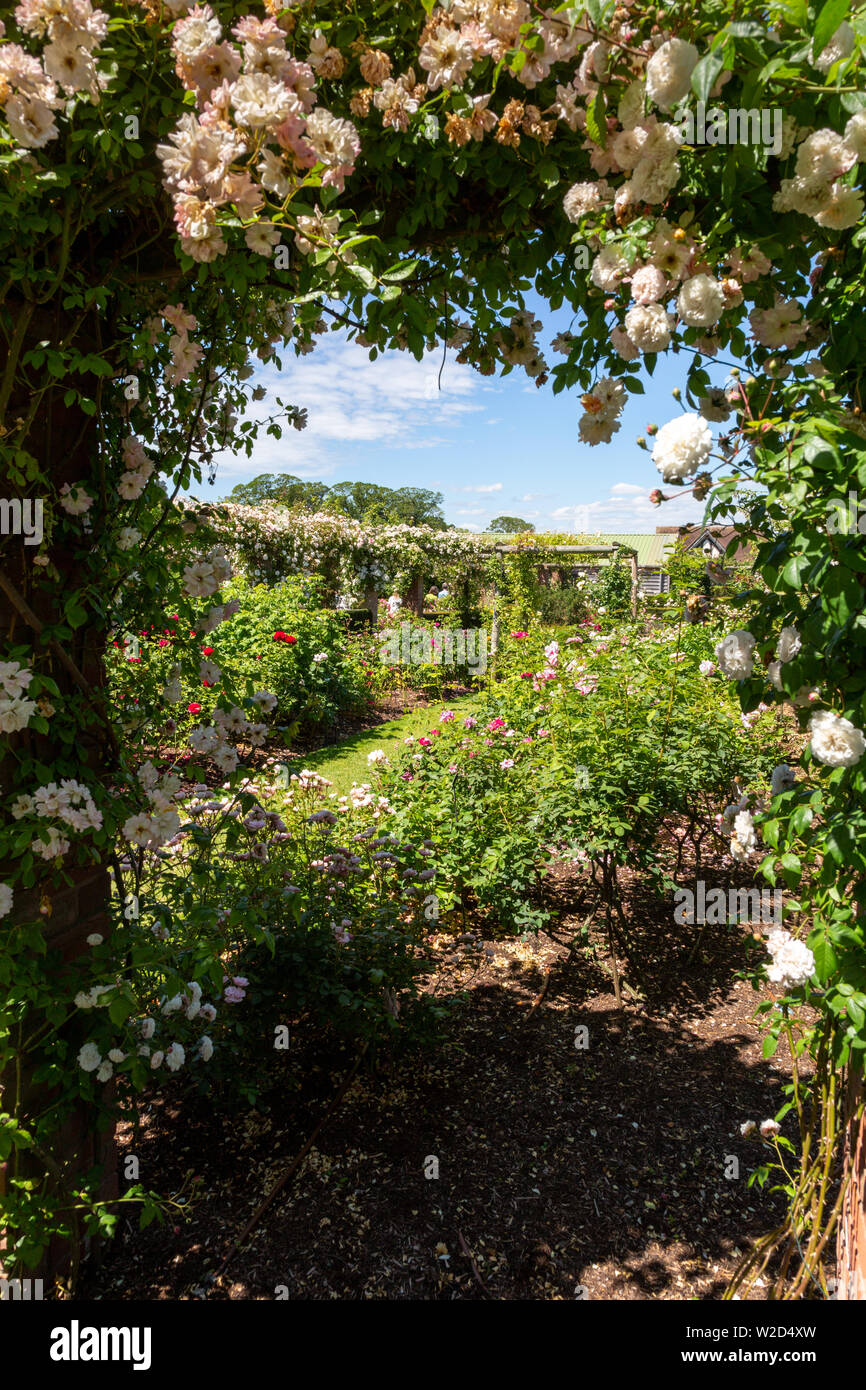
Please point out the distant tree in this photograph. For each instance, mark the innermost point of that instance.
(283, 488)
(509, 525)
(371, 502)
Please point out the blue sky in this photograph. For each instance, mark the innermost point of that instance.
(490, 445)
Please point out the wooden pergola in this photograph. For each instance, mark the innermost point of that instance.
(415, 599)
(608, 550)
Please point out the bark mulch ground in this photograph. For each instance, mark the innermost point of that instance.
(564, 1171)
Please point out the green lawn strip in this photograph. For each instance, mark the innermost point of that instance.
(346, 762)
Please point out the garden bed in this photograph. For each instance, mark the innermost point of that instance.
(601, 1169)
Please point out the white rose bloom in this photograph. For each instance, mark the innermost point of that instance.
(840, 46)
(855, 134)
(835, 741)
(581, 199)
(5, 899)
(843, 208)
(15, 714)
(225, 758)
(789, 644)
(792, 965)
(205, 1048)
(669, 72)
(106, 1071)
(261, 100)
(700, 302)
(608, 268)
(782, 780)
(172, 693)
(744, 832)
(175, 1057)
(623, 344)
(89, 1058)
(597, 429)
(14, 678)
(139, 830)
(199, 580)
(148, 1028)
(147, 775)
(735, 654)
(648, 285)
(682, 447)
(266, 701)
(714, 405)
(31, 122)
(649, 327)
(334, 140)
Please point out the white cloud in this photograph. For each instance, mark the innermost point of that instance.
(627, 508)
(394, 402)
(479, 487)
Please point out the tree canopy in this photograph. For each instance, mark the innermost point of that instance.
(509, 525)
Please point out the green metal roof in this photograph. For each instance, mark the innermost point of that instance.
(651, 549)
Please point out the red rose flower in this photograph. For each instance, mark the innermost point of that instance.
(207, 651)
(194, 709)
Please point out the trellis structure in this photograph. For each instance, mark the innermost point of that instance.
(606, 550)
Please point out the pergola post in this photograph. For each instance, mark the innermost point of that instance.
(634, 583)
(494, 621)
(371, 601)
(416, 596)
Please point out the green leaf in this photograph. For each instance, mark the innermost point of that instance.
(771, 1042)
(400, 271)
(828, 21)
(826, 963)
(705, 74)
(596, 126)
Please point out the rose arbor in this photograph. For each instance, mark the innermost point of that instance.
(189, 188)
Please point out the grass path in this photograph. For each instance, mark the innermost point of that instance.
(346, 762)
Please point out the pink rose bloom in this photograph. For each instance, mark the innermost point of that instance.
(506, 762)
(240, 981)
(470, 723)
(424, 742)
(233, 995)
(452, 767)
(446, 716)
(544, 733)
